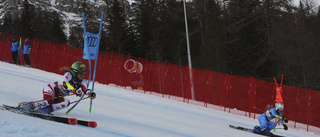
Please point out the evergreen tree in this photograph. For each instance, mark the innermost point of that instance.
(208, 34)
(92, 25)
(27, 25)
(131, 44)
(244, 41)
(42, 25)
(146, 21)
(57, 28)
(49, 26)
(7, 26)
(302, 52)
(76, 36)
(171, 38)
(118, 29)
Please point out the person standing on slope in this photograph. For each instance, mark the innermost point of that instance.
(265, 118)
(53, 93)
(15, 50)
(26, 52)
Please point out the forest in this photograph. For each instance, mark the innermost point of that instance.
(259, 38)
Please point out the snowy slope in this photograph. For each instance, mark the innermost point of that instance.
(117, 111)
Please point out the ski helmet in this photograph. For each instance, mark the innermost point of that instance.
(279, 106)
(27, 40)
(78, 68)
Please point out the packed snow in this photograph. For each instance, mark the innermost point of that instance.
(118, 112)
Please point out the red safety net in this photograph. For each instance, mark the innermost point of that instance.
(236, 94)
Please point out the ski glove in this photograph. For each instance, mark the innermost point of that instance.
(78, 92)
(285, 120)
(91, 94)
(285, 127)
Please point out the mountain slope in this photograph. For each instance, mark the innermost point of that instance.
(117, 111)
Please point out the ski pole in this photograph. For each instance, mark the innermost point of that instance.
(278, 128)
(274, 129)
(19, 52)
(277, 116)
(263, 111)
(79, 100)
(75, 104)
(72, 88)
(258, 109)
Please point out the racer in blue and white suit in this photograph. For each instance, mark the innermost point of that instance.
(265, 118)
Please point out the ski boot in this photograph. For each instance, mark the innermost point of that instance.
(26, 107)
(44, 110)
(267, 131)
(256, 129)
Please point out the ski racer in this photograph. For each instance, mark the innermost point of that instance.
(53, 93)
(265, 118)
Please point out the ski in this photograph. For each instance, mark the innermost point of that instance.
(65, 120)
(70, 121)
(250, 130)
(92, 124)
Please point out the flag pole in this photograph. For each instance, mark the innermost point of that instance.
(188, 47)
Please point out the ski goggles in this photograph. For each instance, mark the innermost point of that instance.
(82, 72)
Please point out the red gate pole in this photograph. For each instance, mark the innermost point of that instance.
(207, 87)
(148, 76)
(254, 95)
(250, 98)
(173, 79)
(295, 106)
(308, 117)
(224, 89)
(228, 91)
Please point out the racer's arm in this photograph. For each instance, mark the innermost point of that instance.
(83, 86)
(86, 91)
(279, 117)
(61, 83)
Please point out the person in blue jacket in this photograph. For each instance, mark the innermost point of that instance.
(15, 50)
(265, 118)
(26, 51)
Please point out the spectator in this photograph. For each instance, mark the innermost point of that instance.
(15, 50)
(26, 51)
